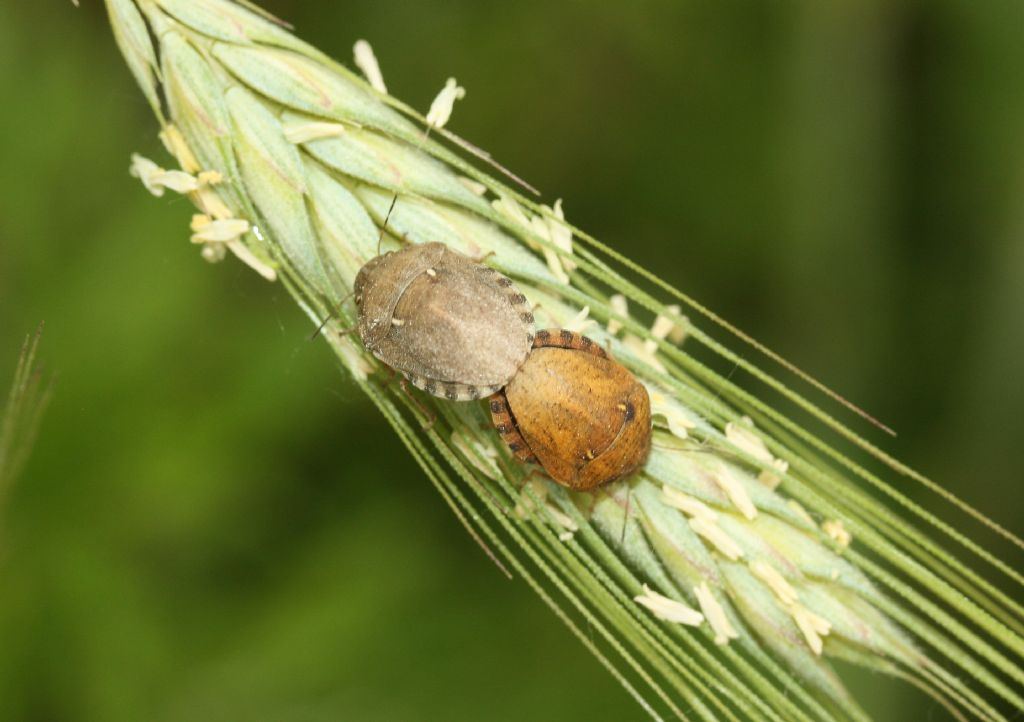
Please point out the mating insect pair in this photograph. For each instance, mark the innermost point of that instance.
(461, 331)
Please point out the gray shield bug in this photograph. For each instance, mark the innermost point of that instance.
(454, 327)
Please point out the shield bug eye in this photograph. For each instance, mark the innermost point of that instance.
(579, 414)
(454, 327)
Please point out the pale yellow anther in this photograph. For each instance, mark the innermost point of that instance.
(555, 266)
(837, 532)
(247, 257)
(770, 478)
(474, 187)
(733, 487)
(641, 348)
(742, 437)
(441, 109)
(512, 210)
(509, 208)
(213, 252)
(367, 62)
(227, 232)
(780, 587)
(620, 307)
(199, 221)
(668, 609)
(679, 326)
(660, 329)
(562, 519)
(715, 614)
(176, 180)
(299, 133)
(812, 626)
(800, 511)
(679, 421)
(687, 504)
(644, 350)
(156, 179)
(210, 202)
(209, 177)
(580, 322)
(713, 533)
(175, 144)
(560, 233)
(481, 456)
(540, 227)
(206, 230)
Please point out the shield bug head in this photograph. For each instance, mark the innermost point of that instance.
(578, 413)
(454, 327)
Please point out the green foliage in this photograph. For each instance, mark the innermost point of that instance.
(22, 414)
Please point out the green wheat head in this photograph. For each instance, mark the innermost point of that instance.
(719, 582)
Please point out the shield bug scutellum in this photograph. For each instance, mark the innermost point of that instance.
(578, 413)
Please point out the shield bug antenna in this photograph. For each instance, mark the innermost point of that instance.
(380, 241)
(387, 217)
(394, 198)
(452, 326)
(625, 515)
(439, 113)
(332, 315)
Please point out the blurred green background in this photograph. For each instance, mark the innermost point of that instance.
(215, 525)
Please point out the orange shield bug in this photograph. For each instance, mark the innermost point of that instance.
(454, 327)
(578, 413)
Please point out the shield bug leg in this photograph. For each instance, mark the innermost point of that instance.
(482, 257)
(537, 473)
(430, 415)
(394, 198)
(333, 315)
(389, 376)
(341, 332)
(320, 327)
(625, 515)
